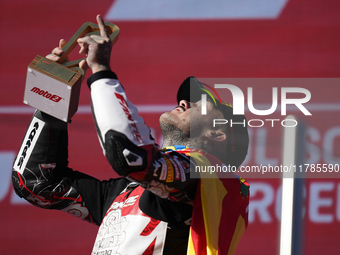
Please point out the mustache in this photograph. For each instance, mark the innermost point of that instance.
(179, 106)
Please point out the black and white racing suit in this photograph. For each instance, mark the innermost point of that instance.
(145, 211)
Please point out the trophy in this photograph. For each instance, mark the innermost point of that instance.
(54, 87)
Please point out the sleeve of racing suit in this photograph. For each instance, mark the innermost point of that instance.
(128, 145)
(42, 177)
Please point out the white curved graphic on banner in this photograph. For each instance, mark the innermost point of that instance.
(194, 9)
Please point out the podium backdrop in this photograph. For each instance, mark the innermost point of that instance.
(160, 44)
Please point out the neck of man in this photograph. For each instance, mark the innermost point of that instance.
(174, 136)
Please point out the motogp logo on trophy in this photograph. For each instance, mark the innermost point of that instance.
(46, 94)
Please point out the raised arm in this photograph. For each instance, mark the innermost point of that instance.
(123, 135)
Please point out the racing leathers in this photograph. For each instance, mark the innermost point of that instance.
(147, 211)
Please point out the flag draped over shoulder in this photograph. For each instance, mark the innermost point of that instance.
(220, 213)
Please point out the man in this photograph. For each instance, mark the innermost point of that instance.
(149, 210)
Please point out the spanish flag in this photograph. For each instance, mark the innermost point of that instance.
(220, 214)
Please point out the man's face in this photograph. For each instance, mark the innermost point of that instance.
(187, 117)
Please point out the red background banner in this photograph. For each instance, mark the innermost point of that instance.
(151, 59)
